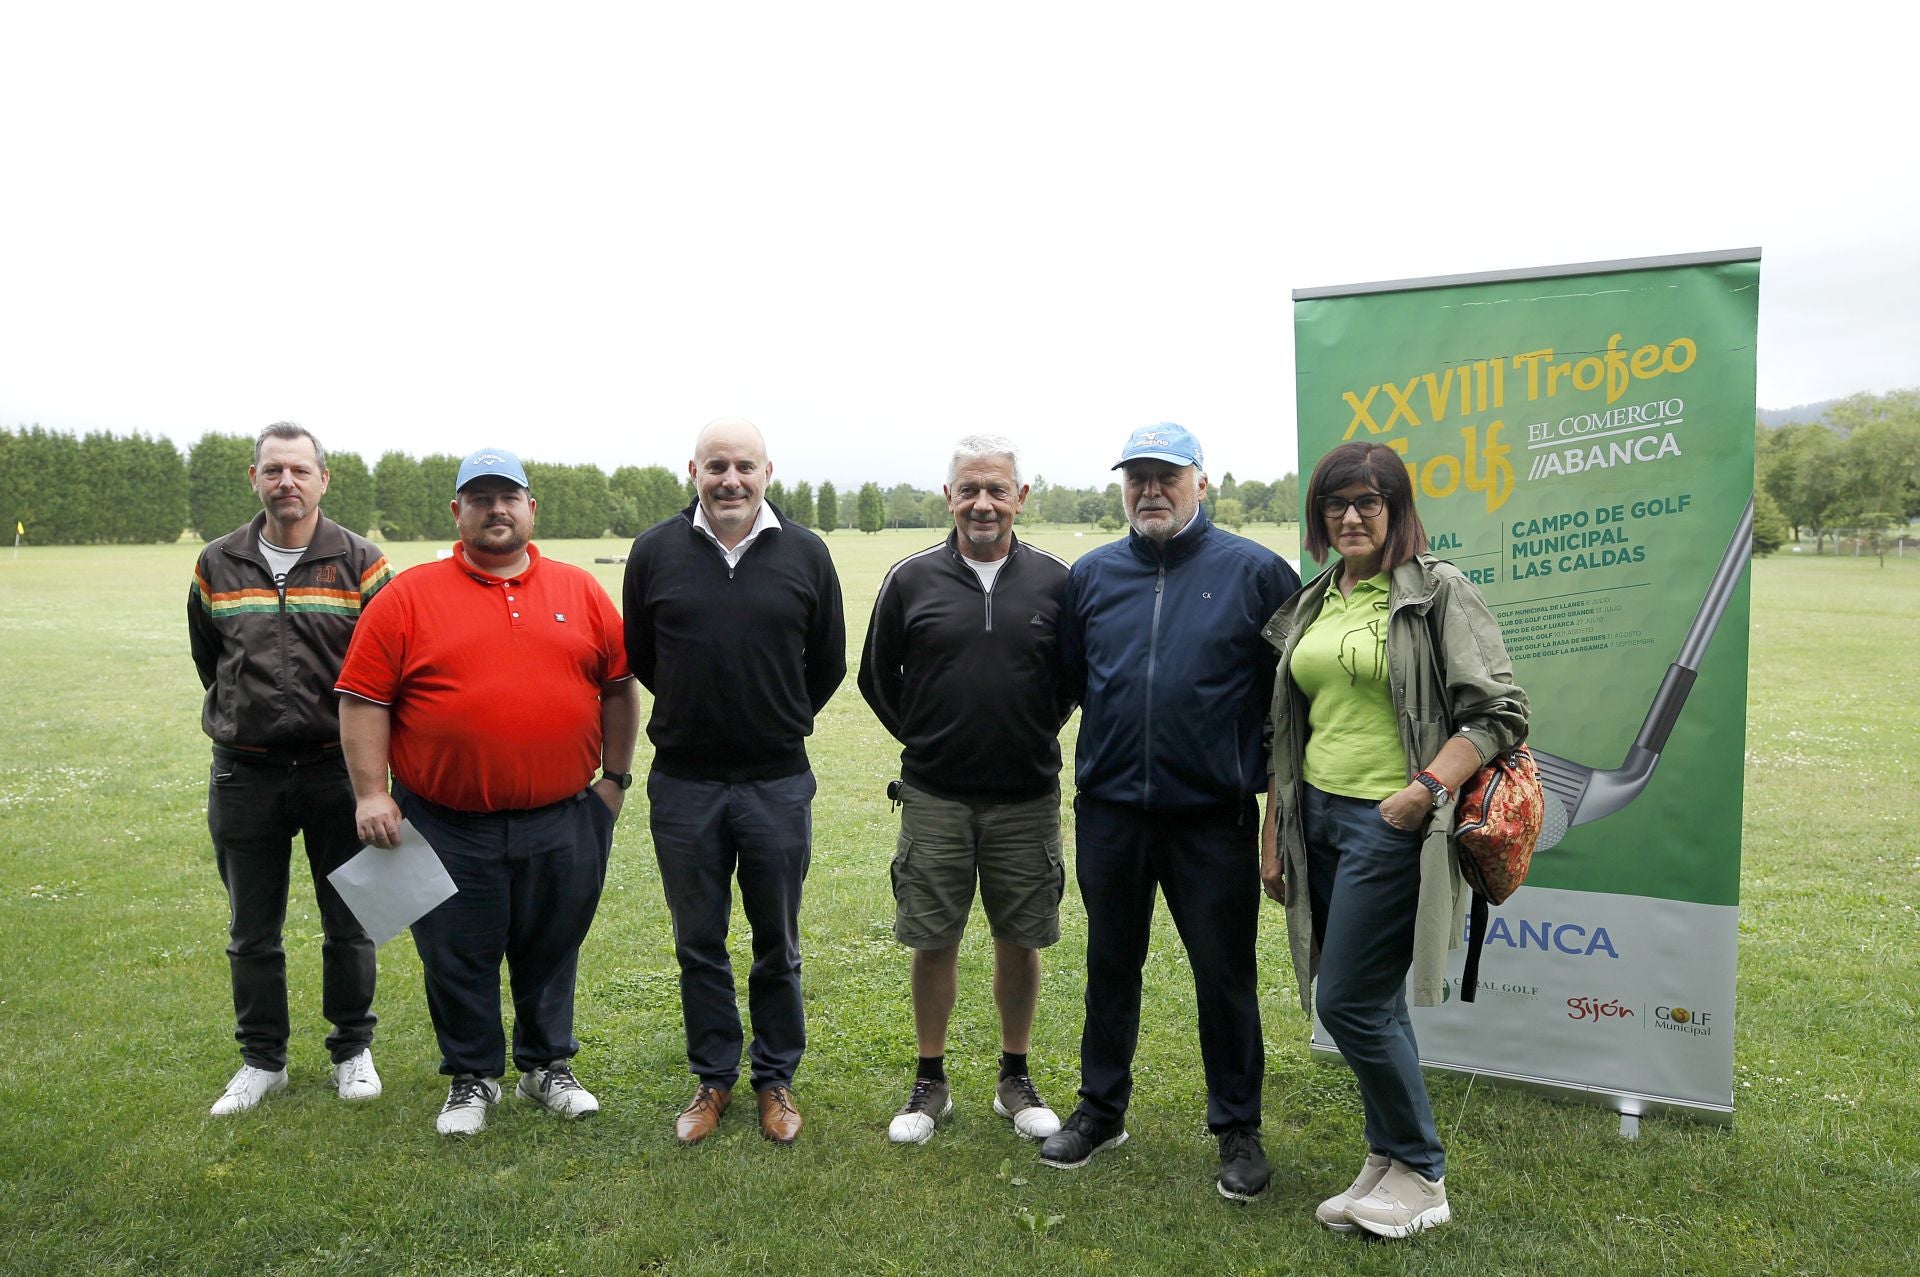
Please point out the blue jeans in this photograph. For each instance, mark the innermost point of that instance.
(1207, 864)
(254, 807)
(703, 833)
(528, 884)
(1363, 881)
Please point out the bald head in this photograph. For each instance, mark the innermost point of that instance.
(731, 432)
(730, 470)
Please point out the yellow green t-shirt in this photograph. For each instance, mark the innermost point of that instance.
(1340, 664)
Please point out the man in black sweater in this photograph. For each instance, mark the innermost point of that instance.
(960, 665)
(734, 623)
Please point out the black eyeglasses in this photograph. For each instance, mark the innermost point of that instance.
(1367, 503)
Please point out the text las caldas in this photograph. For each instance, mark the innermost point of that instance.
(1481, 463)
(1579, 540)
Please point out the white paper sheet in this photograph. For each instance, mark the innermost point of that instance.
(389, 889)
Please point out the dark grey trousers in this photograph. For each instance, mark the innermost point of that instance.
(703, 833)
(254, 808)
(528, 883)
(1207, 864)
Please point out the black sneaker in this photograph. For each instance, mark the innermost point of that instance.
(1074, 1144)
(1243, 1165)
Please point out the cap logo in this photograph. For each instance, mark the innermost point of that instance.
(1153, 437)
(489, 458)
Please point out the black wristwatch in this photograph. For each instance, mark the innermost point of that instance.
(622, 779)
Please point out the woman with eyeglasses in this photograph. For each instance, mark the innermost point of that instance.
(1366, 761)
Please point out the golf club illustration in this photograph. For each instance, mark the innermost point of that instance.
(1578, 794)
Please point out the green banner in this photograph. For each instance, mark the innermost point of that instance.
(1582, 445)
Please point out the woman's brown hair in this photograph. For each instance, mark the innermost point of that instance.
(1383, 470)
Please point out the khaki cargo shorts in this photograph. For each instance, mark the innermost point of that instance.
(1012, 849)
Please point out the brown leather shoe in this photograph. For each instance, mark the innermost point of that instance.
(702, 1114)
(779, 1120)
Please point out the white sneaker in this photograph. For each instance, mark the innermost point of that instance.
(1015, 1098)
(555, 1090)
(355, 1079)
(468, 1099)
(1333, 1211)
(247, 1088)
(928, 1102)
(1402, 1203)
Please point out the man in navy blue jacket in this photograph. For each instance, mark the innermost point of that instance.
(1160, 641)
(734, 623)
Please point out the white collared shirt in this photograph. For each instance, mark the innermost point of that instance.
(763, 521)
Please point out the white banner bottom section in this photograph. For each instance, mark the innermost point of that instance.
(1626, 995)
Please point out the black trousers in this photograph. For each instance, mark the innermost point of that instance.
(254, 808)
(703, 833)
(528, 885)
(1207, 864)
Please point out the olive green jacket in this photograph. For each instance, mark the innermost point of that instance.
(1489, 710)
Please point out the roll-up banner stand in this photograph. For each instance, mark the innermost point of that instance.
(1581, 444)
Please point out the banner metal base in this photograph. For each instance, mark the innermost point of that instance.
(1631, 1105)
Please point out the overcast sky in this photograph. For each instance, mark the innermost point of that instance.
(581, 231)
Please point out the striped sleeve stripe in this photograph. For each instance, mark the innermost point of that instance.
(895, 569)
(234, 602)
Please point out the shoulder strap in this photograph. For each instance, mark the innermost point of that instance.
(1439, 674)
(1477, 932)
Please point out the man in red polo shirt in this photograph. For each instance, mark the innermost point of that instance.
(493, 683)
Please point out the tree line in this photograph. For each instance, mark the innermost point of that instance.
(1230, 502)
(102, 488)
(1856, 469)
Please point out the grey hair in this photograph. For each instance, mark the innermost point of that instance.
(980, 448)
(289, 430)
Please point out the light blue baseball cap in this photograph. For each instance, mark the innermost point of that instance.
(1164, 442)
(490, 462)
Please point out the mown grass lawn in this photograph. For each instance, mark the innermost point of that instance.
(116, 1022)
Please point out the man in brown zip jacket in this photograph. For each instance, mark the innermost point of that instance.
(272, 607)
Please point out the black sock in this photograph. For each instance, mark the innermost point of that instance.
(933, 1068)
(1012, 1065)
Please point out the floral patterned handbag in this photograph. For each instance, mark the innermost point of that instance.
(1498, 817)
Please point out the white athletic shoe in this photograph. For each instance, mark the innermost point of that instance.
(1333, 1211)
(555, 1089)
(247, 1088)
(926, 1105)
(468, 1099)
(1016, 1099)
(1402, 1203)
(355, 1078)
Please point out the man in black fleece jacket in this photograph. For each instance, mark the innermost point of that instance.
(961, 666)
(734, 623)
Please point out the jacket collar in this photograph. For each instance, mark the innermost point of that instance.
(1184, 545)
(953, 546)
(1412, 584)
(244, 543)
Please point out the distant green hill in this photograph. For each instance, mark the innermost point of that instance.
(1798, 413)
